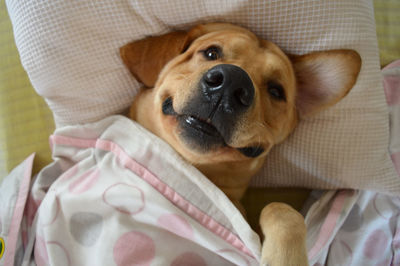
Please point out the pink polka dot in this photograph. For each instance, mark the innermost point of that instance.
(125, 198)
(376, 244)
(176, 224)
(85, 182)
(189, 259)
(41, 255)
(134, 248)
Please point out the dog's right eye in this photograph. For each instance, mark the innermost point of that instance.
(276, 91)
(212, 53)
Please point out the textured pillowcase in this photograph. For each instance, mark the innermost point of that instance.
(70, 51)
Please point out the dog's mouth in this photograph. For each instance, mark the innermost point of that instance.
(201, 134)
(203, 126)
(197, 132)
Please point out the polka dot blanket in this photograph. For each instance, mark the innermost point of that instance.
(117, 195)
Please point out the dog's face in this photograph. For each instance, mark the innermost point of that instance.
(222, 97)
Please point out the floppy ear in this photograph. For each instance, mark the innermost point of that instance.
(324, 78)
(145, 58)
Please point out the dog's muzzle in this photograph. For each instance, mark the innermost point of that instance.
(209, 118)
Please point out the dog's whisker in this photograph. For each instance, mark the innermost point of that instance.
(261, 125)
(185, 77)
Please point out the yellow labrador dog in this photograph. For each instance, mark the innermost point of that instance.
(222, 97)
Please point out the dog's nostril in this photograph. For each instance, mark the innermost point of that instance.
(243, 96)
(214, 78)
(228, 86)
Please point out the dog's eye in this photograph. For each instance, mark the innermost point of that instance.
(251, 152)
(212, 53)
(276, 90)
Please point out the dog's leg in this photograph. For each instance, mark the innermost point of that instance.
(284, 236)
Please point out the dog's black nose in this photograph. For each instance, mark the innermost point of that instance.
(228, 85)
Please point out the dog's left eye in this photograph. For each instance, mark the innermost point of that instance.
(212, 53)
(276, 90)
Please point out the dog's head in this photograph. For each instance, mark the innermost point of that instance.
(222, 97)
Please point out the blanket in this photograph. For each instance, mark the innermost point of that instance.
(118, 195)
(122, 195)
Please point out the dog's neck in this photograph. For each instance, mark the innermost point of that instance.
(232, 178)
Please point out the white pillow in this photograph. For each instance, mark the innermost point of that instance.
(70, 51)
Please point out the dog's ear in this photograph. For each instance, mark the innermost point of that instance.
(324, 78)
(145, 58)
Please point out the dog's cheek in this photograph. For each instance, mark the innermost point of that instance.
(248, 132)
(255, 165)
(144, 111)
(180, 84)
(280, 119)
(253, 129)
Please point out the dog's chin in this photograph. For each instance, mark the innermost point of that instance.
(199, 135)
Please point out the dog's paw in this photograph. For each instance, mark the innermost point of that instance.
(285, 234)
(279, 255)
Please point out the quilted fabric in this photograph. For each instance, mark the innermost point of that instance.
(70, 51)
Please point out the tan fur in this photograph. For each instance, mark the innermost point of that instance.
(172, 66)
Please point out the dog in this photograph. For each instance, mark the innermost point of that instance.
(222, 98)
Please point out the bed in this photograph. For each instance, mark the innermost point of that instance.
(26, 123)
